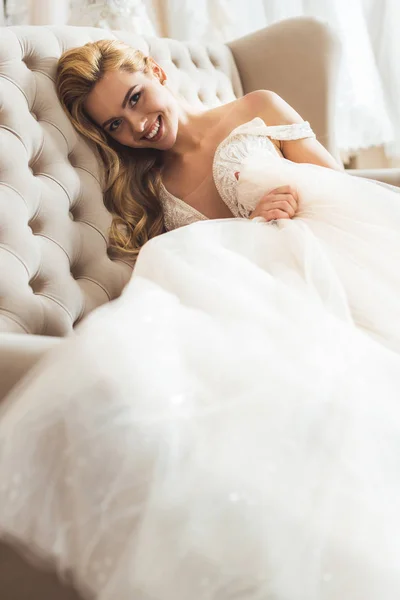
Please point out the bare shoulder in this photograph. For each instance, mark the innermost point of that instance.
(268, 105)
(260, 98)
(274, 110)
(261, 103)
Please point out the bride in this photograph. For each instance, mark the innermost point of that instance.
(229, 428)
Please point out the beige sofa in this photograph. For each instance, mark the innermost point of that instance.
(54, 265)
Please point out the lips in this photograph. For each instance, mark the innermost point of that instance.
(157, 128)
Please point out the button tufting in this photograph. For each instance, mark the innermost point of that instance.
(34, 169)
(33, 224)
(28, 60)
(35, 282)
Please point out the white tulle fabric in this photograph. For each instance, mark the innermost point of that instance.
(228, 429)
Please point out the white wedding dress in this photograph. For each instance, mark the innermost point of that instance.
(229, 428)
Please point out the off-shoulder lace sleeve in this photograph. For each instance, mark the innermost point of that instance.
(250, 138)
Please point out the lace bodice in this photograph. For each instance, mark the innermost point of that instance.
(250, 138)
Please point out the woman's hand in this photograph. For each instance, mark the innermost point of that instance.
(280, 203)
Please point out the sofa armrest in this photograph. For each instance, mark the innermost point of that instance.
(391, 176)
(299, 60)
(18, 353)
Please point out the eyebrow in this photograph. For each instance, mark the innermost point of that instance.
(128, 93)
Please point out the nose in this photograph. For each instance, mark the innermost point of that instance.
(138, 123)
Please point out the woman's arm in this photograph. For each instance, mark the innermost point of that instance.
(275, 111)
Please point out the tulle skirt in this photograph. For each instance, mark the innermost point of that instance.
(229, 428)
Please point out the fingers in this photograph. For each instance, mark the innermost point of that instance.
(280, 203)
(285, 203)
(274, 214)
(285, 189)
(270, 215)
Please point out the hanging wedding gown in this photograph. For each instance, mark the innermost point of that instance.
(229, 428)
(126, 15)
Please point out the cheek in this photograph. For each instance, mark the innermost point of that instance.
(163, 101)
(171, 114)
(124, 138)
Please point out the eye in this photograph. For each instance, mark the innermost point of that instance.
(114, 125)
(134, 98)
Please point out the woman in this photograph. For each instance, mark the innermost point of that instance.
(230, 427)
(158, 151)
(169, 165)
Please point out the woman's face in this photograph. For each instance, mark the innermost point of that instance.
(136, 109)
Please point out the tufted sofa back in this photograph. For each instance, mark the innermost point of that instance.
(54, 265)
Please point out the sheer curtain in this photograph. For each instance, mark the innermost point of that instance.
(383, 20)
(362, 115)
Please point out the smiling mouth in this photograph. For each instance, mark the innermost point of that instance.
(155, 132)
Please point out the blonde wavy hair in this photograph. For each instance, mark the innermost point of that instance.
(132, 176)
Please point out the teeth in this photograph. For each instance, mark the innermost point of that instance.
(154, 130)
